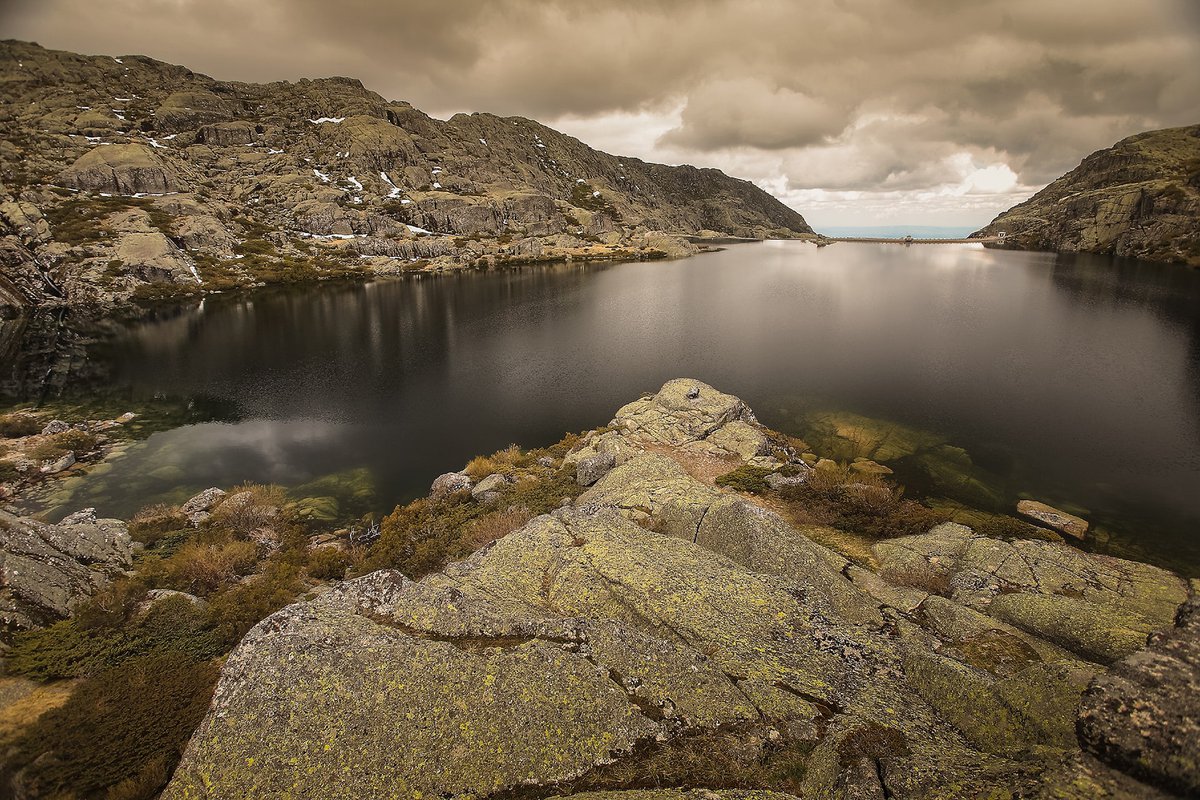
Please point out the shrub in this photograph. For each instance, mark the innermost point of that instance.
(249, 507)
(204, 568)
(126, 727)
(9, 472)
(113, 605)
(16, 425)
(67, 649)
(153, 523)
(494, 525)
(239, 608)
(425, 534)
(746, 479)
(327, 563)
(58, 445)
(836, 496)
(254, 247)
(502, 461)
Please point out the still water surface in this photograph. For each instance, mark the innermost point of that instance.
(1074, 379)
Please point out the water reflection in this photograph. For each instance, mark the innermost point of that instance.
(1072, 378)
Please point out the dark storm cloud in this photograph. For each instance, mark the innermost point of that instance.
(849, 93)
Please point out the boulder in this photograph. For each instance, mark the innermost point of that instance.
(683, 410)
(46, 570)
(189, 108)
(122, 169)
(488, 489)
(154, 257)
(1143, 716)
(55, 466)
(205, 233)
(1054, 518)
(1099, 607)
(197, 508)
(449, 483)
(591, 469)
(55, 426)
(226, 134)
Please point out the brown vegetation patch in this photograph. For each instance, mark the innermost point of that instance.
(16, 425)
(701, 466)
(495, 525)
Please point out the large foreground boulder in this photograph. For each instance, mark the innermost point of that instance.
(1144, 716)
(662, 630)
(46, 570)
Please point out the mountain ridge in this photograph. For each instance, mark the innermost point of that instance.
(126, 177)
(1139, 198)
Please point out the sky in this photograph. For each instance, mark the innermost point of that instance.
(853, 112)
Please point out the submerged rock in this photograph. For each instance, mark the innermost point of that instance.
(1054, 518)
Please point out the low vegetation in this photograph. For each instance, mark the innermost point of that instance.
(80, 220)
(424, 535)
(13, 426)
(149, 660)
(59, 444)
(836, 496)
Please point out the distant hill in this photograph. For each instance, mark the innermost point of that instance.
(1138, 198)
(125, 177)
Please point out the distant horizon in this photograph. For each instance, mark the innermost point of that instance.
(936, 231)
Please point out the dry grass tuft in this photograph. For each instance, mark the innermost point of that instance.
(249, 507)
(204, 568)
(493, 526)
(153, 522)
(502, 461)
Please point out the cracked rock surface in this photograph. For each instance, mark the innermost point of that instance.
(45, 570)
(657, 611)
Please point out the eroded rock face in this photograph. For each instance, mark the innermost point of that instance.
(288, 162)
(45, 570)
(659, 610)
(1100, 607)
(1138, 198)
(1144, 715)
(122, 169)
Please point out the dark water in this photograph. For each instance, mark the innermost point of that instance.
(1073, 379)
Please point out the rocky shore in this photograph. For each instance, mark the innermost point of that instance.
(656, 609)
(1139, 198)
(659, 630)
(130, 180)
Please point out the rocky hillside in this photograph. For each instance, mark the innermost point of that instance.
(1139, 198)
(662, 631)
(126, 173)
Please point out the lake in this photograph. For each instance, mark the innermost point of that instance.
(1069, 378)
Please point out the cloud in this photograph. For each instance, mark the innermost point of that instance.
(831, 95)
(746, 112)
